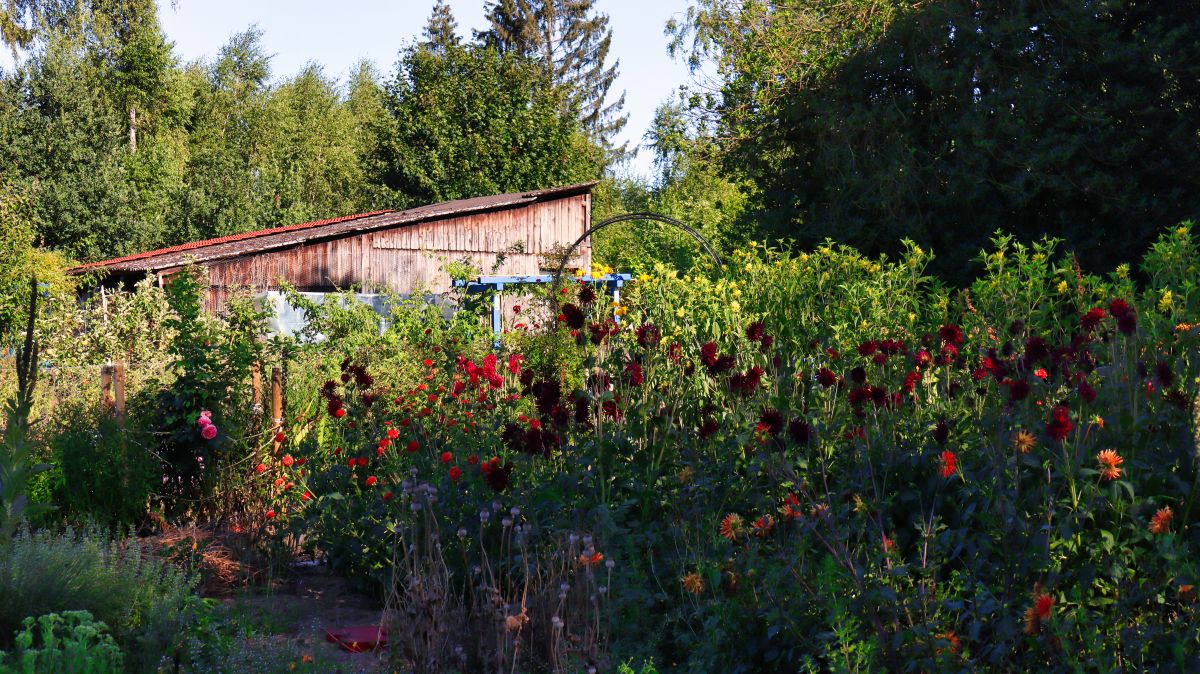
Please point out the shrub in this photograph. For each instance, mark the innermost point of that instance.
(145, 602)
(68, 643)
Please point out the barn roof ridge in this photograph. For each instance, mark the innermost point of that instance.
(273, 237)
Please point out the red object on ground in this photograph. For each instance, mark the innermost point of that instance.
(358, 639)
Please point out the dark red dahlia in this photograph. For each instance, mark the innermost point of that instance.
(1091, 320)
(1086, 391)
(675, 352)
(1059, 426)
(1017, 390)
(1164, 374)
(858, 395)
(547, 393)
(586, 295)
(771, 420)
(826, 377)
(648, 335)
(708, 353)
(708, 429)
(755, 331)
(636, 376)
(599, 332)
(498, 476)
(800, 431)
(879, 396)
(724, 363)
(951, 334)
(858, 375)
(868, 347)
(941, 432)
(910, 381)
(766, 343)
(573, 316)
(1036, 349)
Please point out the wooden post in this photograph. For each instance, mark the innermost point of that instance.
(106, 382)
(256, 382)
(119, 391)
(119, 412)
(276, 405)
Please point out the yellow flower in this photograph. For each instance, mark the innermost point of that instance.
(918, 251)
(1123, 271)
(1165, 302)
(735, 305)
(1024, 441)
(644, 277)
(693, 583)
(1181, 231)
(680, 313)
(1062, 287)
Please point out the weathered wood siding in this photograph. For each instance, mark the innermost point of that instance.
(409, 258)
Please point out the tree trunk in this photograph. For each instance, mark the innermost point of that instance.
(132, 129)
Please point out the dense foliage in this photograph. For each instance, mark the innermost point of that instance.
(876, 120)
(885, 472)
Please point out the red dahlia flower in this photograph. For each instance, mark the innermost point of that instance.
(826, 377)
(1091, 320)
(1059, 426)
(951, 334)
(949, 463)
(755, 331)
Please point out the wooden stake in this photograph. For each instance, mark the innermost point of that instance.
(119, 391)
(256, 382)
(276, 405)
(119, 411)
(106, 382)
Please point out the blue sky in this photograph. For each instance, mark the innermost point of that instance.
(338, 34)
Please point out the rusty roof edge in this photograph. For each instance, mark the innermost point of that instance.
(272, 240)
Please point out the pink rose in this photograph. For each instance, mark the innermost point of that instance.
(203, 421)
(208, 432)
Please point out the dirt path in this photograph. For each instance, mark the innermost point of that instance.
(292, 619)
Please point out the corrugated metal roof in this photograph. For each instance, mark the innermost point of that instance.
(290, 235)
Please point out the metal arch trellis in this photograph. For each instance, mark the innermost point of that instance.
(625, 217)
(611, 281)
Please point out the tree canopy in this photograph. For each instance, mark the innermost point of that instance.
(876, 120)
(119, 147)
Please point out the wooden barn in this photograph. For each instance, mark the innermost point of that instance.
(399, 250)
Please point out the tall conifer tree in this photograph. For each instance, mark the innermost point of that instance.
(572, 42)
(441, 30)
